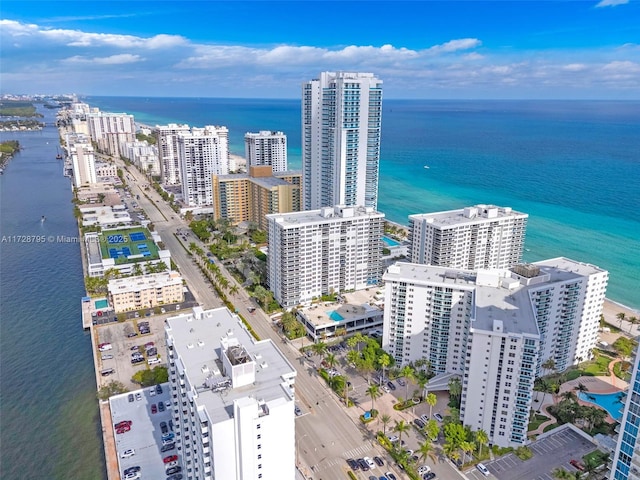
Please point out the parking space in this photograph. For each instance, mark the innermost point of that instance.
(143, 441)
(119, 357)
(551, 452)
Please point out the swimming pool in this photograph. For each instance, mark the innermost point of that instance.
(101, 303)
(611, 402)
(390, 242)
(335, 316)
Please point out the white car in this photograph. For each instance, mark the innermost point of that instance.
(424, 469)
(438, 417)
(386, 389)
(369, 462)
(128, 453)
(152, 392)
(393, 438)
(424, 418)
(484, 470)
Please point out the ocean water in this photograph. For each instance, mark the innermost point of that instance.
(573, 166)
(49, 425)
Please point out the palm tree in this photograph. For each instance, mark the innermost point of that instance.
(562, 474)
(233, 289)
(426, 450)
(582, 388)
(482, 439)
(319, 348)
(621, 316)
(549, 365)
(431, 401)
(331, 360)
(385, 419)
(467, 448)
(384, 360)
(408, 374)
(455, 388)
(374, 392)
(355, 340)
(633, 321)
(569, 395)
(401, 427)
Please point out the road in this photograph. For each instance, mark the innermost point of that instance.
(325, 434)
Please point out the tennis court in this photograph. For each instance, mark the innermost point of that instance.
(126, 246)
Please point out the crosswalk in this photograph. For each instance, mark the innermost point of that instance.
(362, 451)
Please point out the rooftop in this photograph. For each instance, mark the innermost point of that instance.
(354, 305)
(322, 215)
(468, 215)
(197, 338)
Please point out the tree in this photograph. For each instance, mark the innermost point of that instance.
(624, 346)
(455, 389)
(400, 428)
(385, 419)
(582, 388)
(319, 348)
(409, 375)
(374, 392)
(633, 321)
(383, 361)
(621, 316)
(562, 474)
(331, 360)
(481, 439)
(426, 450)
(467, 448)
(355, 340)
(549, 365)
(432, 429)
(110, 389)
(455, 434)
(233, 289)
(431, 401)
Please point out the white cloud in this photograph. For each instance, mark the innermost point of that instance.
(611, 3)
(455, 45)
(121, 59)
(574, 67)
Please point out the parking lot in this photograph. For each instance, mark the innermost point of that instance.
(145, 435)
(119, 357)
(551, 452)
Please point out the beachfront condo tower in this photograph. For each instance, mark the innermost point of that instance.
(493, 329)
(202, 153)
(341, 122)
(482, 236)
(167, 142)
(233, 399)
(111, 130)
(321, 252)
(266, 148)
(626, 460)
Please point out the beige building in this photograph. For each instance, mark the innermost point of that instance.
(249, 197)
(146, 291)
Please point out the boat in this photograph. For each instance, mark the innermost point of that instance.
(59, 157)
(43, 219)
(426, 166)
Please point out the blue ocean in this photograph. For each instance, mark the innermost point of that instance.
(573, 166)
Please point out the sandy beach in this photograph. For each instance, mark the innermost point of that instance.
(611, 309)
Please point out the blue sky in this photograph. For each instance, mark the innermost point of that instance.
(266, 49)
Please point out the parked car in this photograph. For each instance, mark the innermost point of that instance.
(168, 441)
(419, 423)
(103, 347)
(161, 407)
(438, 417)
(168, 436)
(424, 418)
(168, 447)
(106, 356)
(483, 470)
(132, 469)
(163, 427)
(123, 429)
(393, 438)
(138, 396)
(378, 461)
(154, 408)
(159, 389)
(577, 464)
(369, 462)
(353, 464)
(363, 464)
(170, 458)
(132, 476)
(297, 410)
(123, 423)
(401, 382)
(390, 476)
(175, 476)
(173, 470)
(424, 469)
(128, 453)
(429, 476)
(130, 397)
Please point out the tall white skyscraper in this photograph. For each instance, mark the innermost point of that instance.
(493, 328)
(266, 148)
(482, 236)
(319, 252)
(111, 130)
(83, 160)
(202, 153)
(167, 142)
(341, 127)
(232, 399)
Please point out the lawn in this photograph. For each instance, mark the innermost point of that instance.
(537, 421)
(596, 458)
(599, 366)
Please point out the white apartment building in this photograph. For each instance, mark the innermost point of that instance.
(494, 329)
(266, 148)
(482, 236)
(143, 156)
(167, 143)
(202, 153)
(318, 252)
(145, 291)
(111, 130)
(341, 127)
(83, 160)
(233, 399)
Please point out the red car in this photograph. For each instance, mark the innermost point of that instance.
(154, 408)
(124, 423)
(123, 429)
(577, 465)
(170, 458)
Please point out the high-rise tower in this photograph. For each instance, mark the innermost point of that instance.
(341, 122)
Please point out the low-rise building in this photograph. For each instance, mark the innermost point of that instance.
(233, 399)
(105, 215)
(145, 291)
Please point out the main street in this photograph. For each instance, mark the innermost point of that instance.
(325, 434)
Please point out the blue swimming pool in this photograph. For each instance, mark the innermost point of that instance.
(611, 402)
(390, 242)
(335, 316)
(101, 304)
